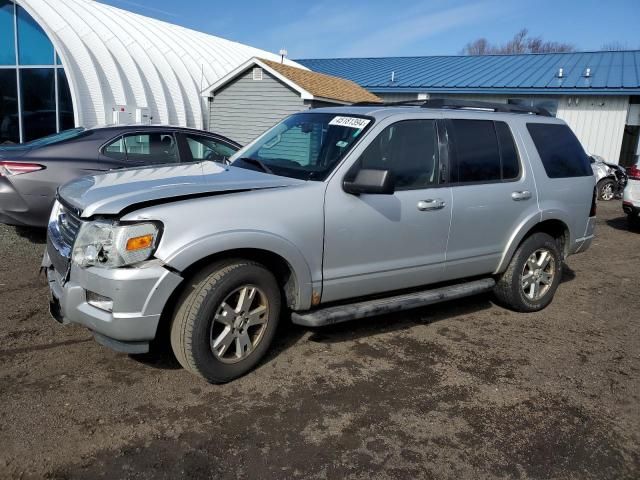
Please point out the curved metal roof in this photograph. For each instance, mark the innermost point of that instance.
(113, 57)
(608, 73)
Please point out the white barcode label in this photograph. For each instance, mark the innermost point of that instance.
(351, 122)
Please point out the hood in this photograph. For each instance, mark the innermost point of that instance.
(112, 192)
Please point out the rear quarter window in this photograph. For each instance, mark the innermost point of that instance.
(561, 153)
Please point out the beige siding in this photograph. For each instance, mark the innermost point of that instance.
(245, 108)
(598, 122)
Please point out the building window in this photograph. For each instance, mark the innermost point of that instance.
(38, 94)
(9, 129)
(7, 45)
(34, 47)
(35, 99)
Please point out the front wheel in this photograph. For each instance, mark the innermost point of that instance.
(533, 276)
(226, 319)
(606, 189)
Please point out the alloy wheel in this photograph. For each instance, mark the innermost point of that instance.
(538, 274)
(239, 324)
(607, 193)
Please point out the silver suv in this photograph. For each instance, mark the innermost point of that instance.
(333, 214)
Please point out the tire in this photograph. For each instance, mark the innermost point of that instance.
(633, 219)
(216, 307)
(510, 289)
(606, 189)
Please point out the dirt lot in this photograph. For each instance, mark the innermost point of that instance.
(464, 389)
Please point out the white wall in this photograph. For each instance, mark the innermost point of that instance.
(598, 122)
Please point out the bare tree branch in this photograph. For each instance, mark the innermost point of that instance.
(520, 43)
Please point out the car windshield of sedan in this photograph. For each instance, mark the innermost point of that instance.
(305, 145)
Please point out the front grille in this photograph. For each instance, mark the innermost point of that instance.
(62, 232)
(68, 226)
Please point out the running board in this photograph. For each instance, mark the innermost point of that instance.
(380, 306)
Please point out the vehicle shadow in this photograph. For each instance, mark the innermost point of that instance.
(568, 274)
(33, 234)
(289, 333)
(622, 223)
(160, 358)
(405, 320)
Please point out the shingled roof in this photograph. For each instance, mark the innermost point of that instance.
(322, 85)
(310, 85)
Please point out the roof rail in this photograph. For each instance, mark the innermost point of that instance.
(475, 105)
(416, 103)
(462, 105)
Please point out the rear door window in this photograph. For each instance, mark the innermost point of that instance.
(482, 151)
(508, 153)
(146, 148)
(560, 151)
(475, 151)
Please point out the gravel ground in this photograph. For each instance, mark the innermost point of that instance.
(460, 390)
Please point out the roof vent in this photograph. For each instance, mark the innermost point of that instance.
(257, 73)
(560, 73)
(587, 73)
(393, 77)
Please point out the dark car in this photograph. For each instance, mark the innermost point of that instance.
(30, 173)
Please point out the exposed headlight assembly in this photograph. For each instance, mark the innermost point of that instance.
(106, 244)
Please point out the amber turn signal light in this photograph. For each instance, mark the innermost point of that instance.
(138, 243)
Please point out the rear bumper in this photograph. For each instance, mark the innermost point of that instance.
(139, 296)
(22, 210)
(631, 198)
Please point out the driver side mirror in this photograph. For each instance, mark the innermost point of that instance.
(370, 181)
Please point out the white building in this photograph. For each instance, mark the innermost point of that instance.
(80, 62)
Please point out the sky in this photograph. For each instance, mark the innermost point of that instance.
(374, 28)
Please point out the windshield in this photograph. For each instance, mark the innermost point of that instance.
(56, 137)
(305, 145)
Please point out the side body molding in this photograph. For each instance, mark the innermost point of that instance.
(250, 239)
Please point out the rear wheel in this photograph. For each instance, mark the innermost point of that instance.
(606, 189)
(533, 276)
(226, 320)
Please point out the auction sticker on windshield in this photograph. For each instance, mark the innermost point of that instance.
(351, 122)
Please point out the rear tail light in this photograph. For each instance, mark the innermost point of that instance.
(634, 172)
(17, 168)
(592, 212)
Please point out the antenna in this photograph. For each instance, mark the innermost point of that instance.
(283, 53)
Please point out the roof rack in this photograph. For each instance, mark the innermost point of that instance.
(415, 103)
(491, 106)
(462, 105)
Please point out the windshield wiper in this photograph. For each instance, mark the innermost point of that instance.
(259, 163)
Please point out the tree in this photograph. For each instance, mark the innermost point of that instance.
(520, 43)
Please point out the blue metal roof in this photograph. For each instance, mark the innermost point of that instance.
(610, 73)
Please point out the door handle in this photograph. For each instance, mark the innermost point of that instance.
(521, 195)
(431, 204)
